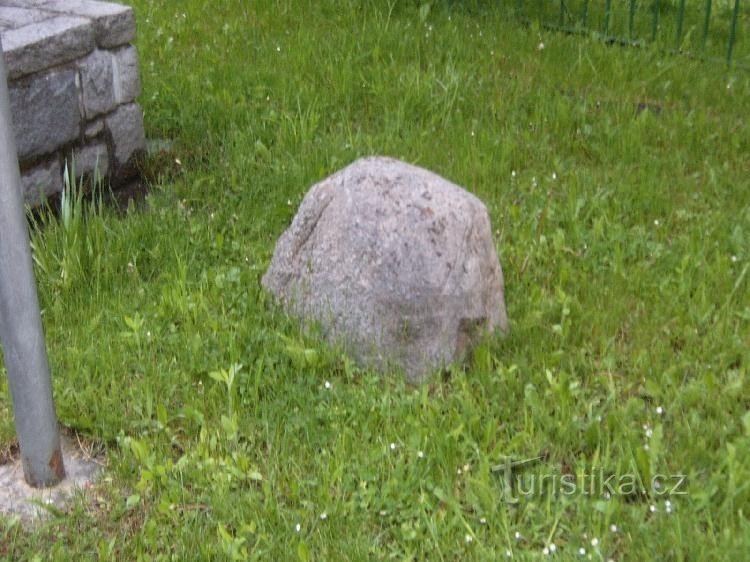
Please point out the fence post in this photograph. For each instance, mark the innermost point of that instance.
(733, 30)
(20, 320)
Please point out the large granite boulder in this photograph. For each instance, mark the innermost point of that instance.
(395, 263)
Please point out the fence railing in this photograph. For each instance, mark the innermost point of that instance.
(705, 28)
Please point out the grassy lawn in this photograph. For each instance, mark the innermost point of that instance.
(618, 182)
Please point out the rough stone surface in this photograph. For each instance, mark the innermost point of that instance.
(12, 17)
(94, 128)
(97, 83)
(91, 160)
(41, 181)
(114, 24)
(46, 43)
(45, 113)
(127, 82)
(395, 263)
(126, 127)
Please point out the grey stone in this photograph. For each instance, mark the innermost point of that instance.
(24, 3)
(395, 263)
(45, 44)
(97, 83)
(94, 128)
(127, 83)
(125, 125)
(12, 17)
(114, 24)
(41, 181)
(45, 113)
(91, 160)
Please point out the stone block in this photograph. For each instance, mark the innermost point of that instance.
(125, 124)
(12, 17)
(41, 181)
(45, 113)
(45, 44)
(114, 24)
(127, 82)
(97, 83)
(91, 160)
(94, 128)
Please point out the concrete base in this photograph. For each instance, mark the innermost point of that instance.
(18, 499)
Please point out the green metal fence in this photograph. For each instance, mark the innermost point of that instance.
(705, 28)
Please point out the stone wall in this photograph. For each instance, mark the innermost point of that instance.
(73, 80)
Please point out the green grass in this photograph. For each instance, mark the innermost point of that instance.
(625, 241)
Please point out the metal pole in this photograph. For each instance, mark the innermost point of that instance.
(20, 321)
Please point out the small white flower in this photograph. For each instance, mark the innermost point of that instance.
(668, 506)
(540, 46)
(517, 535)
(734, 259)
(278, 49)
(420, 454)
(554, 176)
(594, 542)
(582, 551)
(513, 173)
(656, 222)
(393, 446)
(652, 508)
(649, 433)
(545, 551)
(659, 410)
(327, 384)
(458, 471)
(508, 553)
(552, 547)
(298, 527)
(613, 528)
(324, 516)
(468, 538)
(383, 513)
(483, 521)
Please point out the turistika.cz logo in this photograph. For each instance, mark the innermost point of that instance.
(595, 482)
